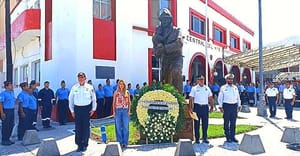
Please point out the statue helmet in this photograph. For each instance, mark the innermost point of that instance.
(165, 14)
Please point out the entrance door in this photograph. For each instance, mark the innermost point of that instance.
(198, 68)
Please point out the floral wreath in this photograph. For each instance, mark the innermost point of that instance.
(155, 94)
(152, 97)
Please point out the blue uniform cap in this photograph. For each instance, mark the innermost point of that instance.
(6, 83)
(32, 82)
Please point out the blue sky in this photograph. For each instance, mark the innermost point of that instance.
(280, 17)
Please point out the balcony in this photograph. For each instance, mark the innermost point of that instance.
(24, 28)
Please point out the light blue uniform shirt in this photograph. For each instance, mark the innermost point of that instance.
(7, 99)
(108, 91)
(100, 94)
(23, 98)
(131, 92)
(62, 93)
(32, 102)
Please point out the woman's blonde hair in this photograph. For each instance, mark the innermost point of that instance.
(125, 88)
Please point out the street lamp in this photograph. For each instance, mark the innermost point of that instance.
(261, 107)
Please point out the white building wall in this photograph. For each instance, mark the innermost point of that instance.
(138, 41)
(72, 40)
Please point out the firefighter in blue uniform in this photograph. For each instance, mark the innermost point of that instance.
(23, 102)
(62, 95)
(100, 101)
(30, 113)
(35, 92)
(46, 99)
(7, 106)
(108, 97)
(229, 104)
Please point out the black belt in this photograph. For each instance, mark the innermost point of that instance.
(201, 104)
(271, 96)
(229, 103)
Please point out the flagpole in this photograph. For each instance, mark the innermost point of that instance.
(206, 42)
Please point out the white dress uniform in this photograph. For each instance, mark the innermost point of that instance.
(229, 100)
(289, 95)
(201, 95)
(82, 100)
(272, 98)
(82, 96)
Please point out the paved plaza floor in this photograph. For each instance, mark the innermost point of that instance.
(270, 133)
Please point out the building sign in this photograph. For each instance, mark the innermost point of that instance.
(202, 43)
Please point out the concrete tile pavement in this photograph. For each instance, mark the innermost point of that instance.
(270, 133)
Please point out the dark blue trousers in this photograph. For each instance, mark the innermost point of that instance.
(272, 106)
(29, 119)
(230, 116)
(108, 106)
(202, 113)
(100, 108)
(288, 108)
(46, 115)
(82, 125)
(7, 124)
(21, 125)
(62, 106)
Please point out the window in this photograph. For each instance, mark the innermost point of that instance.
(16, 76)
(36, 70)
(234, 42)
(219, 35)
(155, 69)
(246, 45)
(197, 24)
(24, 73)
(102, 9)
(155, 8)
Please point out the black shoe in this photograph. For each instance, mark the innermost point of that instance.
(205, 141)
(83, 149)
(12, 142)
(124, 146)
(36, 129)
(228, 140)
(6, 143)
(197, 142)
(79, 149)
(48, 126)
(235, 140)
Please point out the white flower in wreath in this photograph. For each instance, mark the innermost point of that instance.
(156, 95)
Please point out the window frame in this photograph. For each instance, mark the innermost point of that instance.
(237, 48)
(201, 18)
(224, 37)
(99, 14)
(173, 11)
(247, 43)
(36, 72)
(24, 73)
